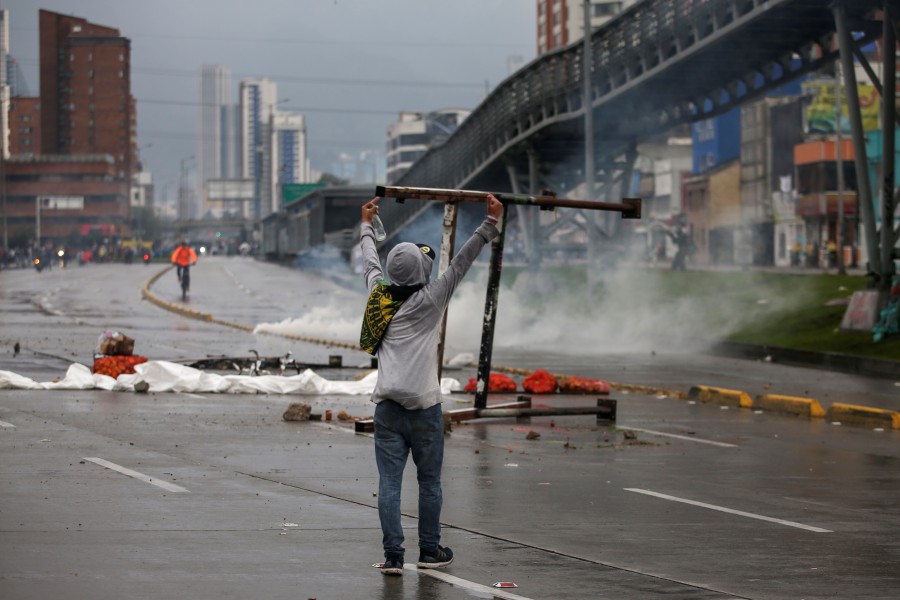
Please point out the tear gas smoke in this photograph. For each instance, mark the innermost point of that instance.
(633, 309)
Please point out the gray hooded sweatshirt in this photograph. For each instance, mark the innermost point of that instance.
(407, 355)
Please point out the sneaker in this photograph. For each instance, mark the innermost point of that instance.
(440, 557)
(392, 566)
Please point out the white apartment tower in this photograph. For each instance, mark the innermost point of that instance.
(289, 157)
(216, 151)
(258, 98)
(414, 133)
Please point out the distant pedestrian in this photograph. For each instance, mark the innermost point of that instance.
(831, 250)
(796, 251)
(401, 326)
(684, 244)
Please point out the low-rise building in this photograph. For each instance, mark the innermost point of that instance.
(61, 198)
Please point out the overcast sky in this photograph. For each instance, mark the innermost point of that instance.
(349, 66)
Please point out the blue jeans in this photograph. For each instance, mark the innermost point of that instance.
(397, 432)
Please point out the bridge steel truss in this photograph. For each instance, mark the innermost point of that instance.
(660, 64)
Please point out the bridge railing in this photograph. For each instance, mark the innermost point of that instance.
(639, 40)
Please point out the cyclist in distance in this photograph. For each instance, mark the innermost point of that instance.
(183, 257)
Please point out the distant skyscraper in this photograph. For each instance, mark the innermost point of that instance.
(217, 147)
(258, 98)
(86, 101)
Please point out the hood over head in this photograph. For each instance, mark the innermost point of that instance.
(409, 264)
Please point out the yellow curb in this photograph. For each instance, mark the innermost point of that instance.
(864, 415)
(790, 404)
(209, 318)
(721, 396)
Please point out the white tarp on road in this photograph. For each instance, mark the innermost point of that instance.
(163, 376)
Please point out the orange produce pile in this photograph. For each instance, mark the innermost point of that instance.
(583, 385)
(114, 366)
(497, 382)
(540, 382)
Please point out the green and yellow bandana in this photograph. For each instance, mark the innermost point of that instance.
(383, 303)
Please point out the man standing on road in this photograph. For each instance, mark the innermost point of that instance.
(183, 257)
(408, 415)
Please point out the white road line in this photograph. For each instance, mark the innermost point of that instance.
(6, 425)
(195, 396)
(351, 431)
(465, 583)
(730, 510)
(171, 487)
(682, 437)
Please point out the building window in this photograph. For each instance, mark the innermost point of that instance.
(606, 9)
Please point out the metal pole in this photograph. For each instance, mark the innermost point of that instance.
(589, 163)
(839, 160)
(448, 241)
(588, 103)
(482, 377)
(888, 120)
(533, 221)
(864, 192)
(629, 207)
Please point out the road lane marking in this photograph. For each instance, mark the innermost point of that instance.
(464, 583)
(326, 425)
(729, 510)
(198, 396)
(6, 425)
(682, 437)
(171, 487)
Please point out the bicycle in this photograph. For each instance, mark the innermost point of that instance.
(185, 279)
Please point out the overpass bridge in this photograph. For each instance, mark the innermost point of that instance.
(660, 64)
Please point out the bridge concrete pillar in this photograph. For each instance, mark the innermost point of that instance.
(864, 191)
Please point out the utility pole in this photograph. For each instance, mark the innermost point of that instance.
(839, 161)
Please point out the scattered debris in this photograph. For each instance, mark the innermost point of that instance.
(298, 411)
(629, 435)
(532, 435)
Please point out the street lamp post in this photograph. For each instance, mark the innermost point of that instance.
(181, 213)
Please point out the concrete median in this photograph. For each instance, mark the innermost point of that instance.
(722, 396)
(863, 415)
(794, 405)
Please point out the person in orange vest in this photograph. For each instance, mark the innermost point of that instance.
(183, 257)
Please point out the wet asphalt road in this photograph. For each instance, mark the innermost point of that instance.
(739, 504)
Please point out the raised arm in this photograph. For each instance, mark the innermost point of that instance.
(371, 264)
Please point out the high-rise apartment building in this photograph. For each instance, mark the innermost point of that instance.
(414, 133)
(561, 22)
(290, 158)
(86, 101)
(258, 98)
(217, 143)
